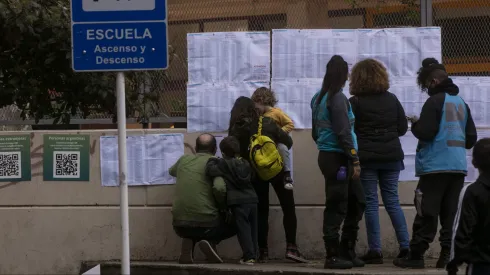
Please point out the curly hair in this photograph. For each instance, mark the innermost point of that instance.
(369, 76)
(264, 96)
(430, 68)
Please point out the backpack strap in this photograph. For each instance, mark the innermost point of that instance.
(259, 131)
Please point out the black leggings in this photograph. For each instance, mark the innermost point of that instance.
(286, 199)
(344, 200)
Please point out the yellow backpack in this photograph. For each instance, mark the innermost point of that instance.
(264, 156)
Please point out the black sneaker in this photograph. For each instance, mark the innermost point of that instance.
(347, 252)
(413, 261)
(403, 253)
(373, 257)
(187, 252)
(337, 263)
(263, 255)
(443, 258)
(293, 254)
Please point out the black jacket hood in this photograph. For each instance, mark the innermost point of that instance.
(446, 86)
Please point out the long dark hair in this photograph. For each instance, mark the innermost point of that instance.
(244, 108)
(335, 77)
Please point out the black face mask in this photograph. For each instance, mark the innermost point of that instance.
(445, 86)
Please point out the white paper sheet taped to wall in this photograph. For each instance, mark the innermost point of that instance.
(219, 57)
(295, 98)
(476, 93)
(209, 105)
(401, 50)
(305, 53)
(149, 158)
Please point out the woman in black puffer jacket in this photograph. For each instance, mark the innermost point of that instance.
(380, 121)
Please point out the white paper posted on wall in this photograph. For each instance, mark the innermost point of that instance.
(305, 53)
(209, 105)
(149, 158)
(476, 93)
(401, 50)
(299, 59)
(295, 97)
(219, 57)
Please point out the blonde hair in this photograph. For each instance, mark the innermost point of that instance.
(369, 77)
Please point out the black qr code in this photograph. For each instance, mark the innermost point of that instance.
(10, 165)
(66, 164)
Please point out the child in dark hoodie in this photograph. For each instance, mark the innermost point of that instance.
(241, 197)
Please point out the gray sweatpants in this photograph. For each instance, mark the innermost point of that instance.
(285, 155)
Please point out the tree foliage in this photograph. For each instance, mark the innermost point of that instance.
(35, 67)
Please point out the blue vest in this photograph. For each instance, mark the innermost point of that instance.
(327, 139)
(447, 152)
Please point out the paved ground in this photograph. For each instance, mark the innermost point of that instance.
(283, 268)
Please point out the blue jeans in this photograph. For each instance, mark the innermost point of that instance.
(388, 183)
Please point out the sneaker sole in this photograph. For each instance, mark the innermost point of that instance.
(338, 268)
(208, 251)
(297, 259)
(409, 267)
(377, 261)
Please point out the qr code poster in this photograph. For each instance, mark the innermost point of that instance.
(15, 160)
(66, 164)
(66, 157)
(10, 165)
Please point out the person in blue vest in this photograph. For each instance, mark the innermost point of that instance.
(445, 130)
(333, 132)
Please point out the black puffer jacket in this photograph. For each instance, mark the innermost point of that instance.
(237, 174)
(380, 121)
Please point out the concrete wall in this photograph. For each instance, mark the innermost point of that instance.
(50, 227)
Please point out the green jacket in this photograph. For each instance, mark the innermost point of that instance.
(198, 198)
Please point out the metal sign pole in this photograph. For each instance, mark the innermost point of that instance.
(123, 168)
(141, 30)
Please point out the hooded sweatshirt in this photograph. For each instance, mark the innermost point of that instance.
(237, 174)
(427, 127)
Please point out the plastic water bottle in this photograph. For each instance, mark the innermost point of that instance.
(342, 173)
(418, 202)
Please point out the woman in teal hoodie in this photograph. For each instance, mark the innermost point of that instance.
(333, 132)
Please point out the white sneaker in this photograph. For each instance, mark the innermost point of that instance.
(288, 186)
(248, 262)
(208, 251)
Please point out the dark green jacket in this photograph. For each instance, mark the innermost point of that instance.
(198, 198)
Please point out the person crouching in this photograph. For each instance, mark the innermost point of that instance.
(241, 197)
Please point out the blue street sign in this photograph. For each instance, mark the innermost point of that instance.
(119, 35)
